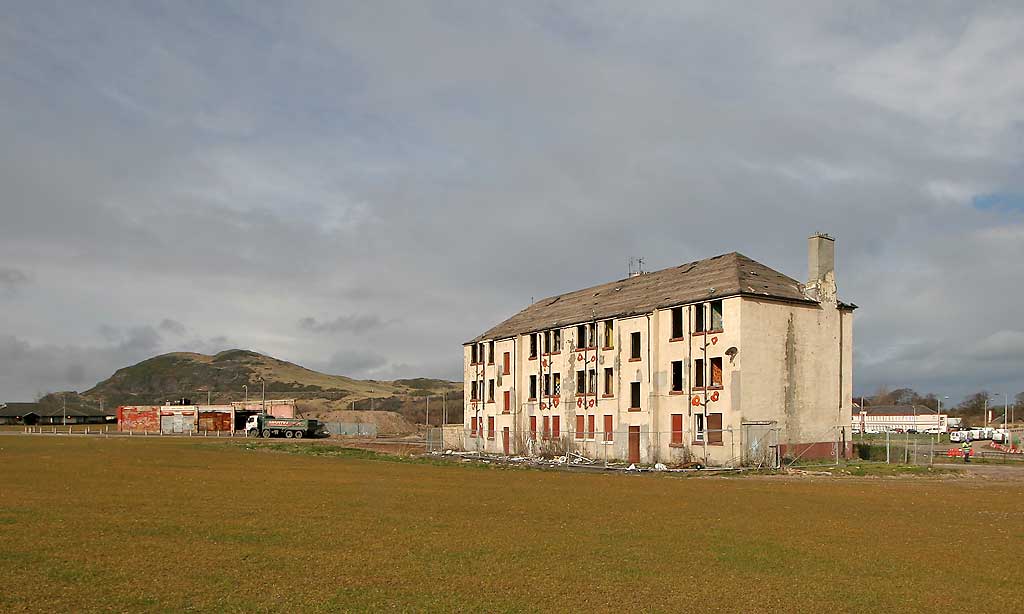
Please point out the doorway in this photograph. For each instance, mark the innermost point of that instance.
(634, 444)
(504, 440)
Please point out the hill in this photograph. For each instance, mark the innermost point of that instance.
(221, 378)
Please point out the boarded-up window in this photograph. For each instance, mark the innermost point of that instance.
(547, 427)
(507, 401)
(607, 428)
(716, 316)
(533, 387)
(714, 428)
(609, 334)
(533, 427)
(591, 427)
(677, 376)
(579, 426)
(472, 427)
(698, 373)
(490, 427)
(555, 427)
(716, 371)
(634, 346)
(677, 322)
(608, 381)
(634, 390)
(677, 428)
(507, 364)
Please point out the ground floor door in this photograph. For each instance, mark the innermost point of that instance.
(504, 440)
(634, 444)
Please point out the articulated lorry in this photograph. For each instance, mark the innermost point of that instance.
(265, 425)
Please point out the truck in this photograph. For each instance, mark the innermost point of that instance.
(265, 425)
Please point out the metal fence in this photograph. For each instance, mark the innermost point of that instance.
(351, 428)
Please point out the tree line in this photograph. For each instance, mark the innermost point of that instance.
(971, 407)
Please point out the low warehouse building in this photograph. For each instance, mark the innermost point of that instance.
(900, 418)
(38, 413)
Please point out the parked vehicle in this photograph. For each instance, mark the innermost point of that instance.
(1001, 435)
(265, 425)
(959, 436)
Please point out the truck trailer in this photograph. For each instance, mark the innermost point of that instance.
(265, 425)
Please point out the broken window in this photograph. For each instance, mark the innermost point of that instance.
(677, 322)
(553, 341)
(698, 373)
(490, 352)
(581, 336)
(490, 391)
(591, 428)
(533, 387)
(579, 426)
(634, 346)
(698, 427)
(634, 389)
(698, 319)
(581, 382)
(472, 391)
(473, 353)
(716, 316)
(592, 382)
(608, 381)
(677, 376)
(677, 429)
(557, 384)
(609, 334)
(716, 371)
(547, 385)
(533, 345)
(607, 427)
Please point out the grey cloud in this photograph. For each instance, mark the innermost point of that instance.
(342, 324)
(354, 363)
(173, 327)
(12, 280)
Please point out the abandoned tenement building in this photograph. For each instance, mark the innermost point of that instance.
(724, 360)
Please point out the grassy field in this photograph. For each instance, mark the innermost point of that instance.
(172, 525)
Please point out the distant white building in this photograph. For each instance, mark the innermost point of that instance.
(900, 418)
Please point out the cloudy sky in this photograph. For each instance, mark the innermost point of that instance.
(361, 187)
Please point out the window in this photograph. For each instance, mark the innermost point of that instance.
(677, 429)
(607, 427)
(533, 387)
(698, 427)
(490, 352)
(579, 426)
(698, 318)
(553, 341)
(557, 384)
(677, 322)
(609, 334)
(716, 315)
(533, 345)
(634, 389)
(554, 427)
(472, 427)
(472, 391)
(677, 376)
(581, 382)
(547, 384)
(608, 381)
(507, 401)
(698, 373)
(490, 391)
(592, 382)
(582, 341)
(714, 428)
(592, 335)
(590, 426)
(634, 342)
(716, 371)
(533, 428)
(474, 352)
(490, 427)
(507, 364)
(547, 427)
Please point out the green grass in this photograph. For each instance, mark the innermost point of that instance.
(162, 525)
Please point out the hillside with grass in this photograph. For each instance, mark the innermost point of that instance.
(222, 378)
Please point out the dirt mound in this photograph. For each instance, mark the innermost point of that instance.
(387, 422)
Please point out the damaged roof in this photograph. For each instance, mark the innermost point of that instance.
(726, 275)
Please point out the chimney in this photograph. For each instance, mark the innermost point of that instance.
(821, 257)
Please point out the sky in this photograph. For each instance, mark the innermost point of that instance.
(361, 187)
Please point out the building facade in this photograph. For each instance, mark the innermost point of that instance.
(900, 419)
(720, 361)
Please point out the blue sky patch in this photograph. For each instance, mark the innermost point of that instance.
(999, 201)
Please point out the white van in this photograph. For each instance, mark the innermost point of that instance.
(959, 436)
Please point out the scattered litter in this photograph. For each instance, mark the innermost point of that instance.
(631, 467)
(660, 466)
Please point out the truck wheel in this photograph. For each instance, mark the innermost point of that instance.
(266, 433)
(298, 434)
(289, 434)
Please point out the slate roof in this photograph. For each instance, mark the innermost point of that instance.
(15, 410)
(722, 276)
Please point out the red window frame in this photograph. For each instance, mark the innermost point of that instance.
(507, 401)
(507, 364)
(677, 429)
(608, 434)
(533, 427)
(555, 422)
(547, 427)
(490, 427)
(579, 425)
(591, 426)
(472, 427)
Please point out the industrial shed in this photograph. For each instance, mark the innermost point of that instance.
(35, 413)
